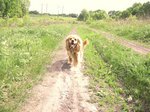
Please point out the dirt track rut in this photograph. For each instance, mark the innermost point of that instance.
(61, 89)
(134, 46)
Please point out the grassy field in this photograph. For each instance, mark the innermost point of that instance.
(36, 20)
(130, 29)
(24, 52)
(120, 77)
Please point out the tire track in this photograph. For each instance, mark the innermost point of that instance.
(61, 89)
(134, 46)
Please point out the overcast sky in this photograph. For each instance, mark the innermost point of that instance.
(75, 6)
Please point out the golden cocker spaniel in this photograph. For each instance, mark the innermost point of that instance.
(75, 47)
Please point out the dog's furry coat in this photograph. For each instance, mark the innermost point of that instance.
(75, 47)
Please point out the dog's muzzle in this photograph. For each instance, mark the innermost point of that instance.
(72, 42)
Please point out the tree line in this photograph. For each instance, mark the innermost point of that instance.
(138, 10)
(73, 15)
(14, 8)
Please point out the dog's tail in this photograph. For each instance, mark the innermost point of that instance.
(85, 43)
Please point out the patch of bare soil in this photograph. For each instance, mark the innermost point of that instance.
(61, 90)
(130, 44)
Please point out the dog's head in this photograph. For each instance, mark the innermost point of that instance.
(73, 42)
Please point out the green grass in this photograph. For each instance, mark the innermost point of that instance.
(24, 51)
(117, 74)
(36, 20)
(134, 30)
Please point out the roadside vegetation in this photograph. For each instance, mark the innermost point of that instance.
(119, 77)
(24, 52)
(132, 23)
(14, 8)
(35, 20)
(138, 10)
(132, 29)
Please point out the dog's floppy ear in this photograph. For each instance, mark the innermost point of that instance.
(67, 44)
(77, 48)
(78, 40)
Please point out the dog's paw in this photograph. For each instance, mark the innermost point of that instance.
(74, 69)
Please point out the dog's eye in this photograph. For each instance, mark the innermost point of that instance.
(75, 39)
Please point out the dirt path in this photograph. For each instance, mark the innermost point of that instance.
(130, 44)
(61, 90)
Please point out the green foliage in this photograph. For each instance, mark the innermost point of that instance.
(132, 71)
(139, 10)
(94, 15)
(12, 8)
(146, 9)
(132, 29)
(114, 14)
(72, 15)
(34, 12)
(142, 33)
(15, 9)
(134, 10)
(129, 69)
(34, 20)
(98, 15)
(104, 82)
(25, 6)
(24, 51)
(125, 14)
(2, 7)
(84, 15)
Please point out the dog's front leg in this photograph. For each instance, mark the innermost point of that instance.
(75, 61)
(69, 57)
(69, 60)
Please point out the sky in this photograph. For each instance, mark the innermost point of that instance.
(75, 6)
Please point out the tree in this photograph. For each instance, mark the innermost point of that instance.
(2, 7)
(136, 7)
(73, 15)
(11, 8)
(15, 9)
(84, 15)
(99, 14)
(114, 14)
(125, 14)
(134, 10)
(146, 9)
(34, 12)
(25, 6)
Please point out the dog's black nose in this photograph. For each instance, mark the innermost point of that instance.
(72, 41)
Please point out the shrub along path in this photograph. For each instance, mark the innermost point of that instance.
(61, 90)
(130, 44)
